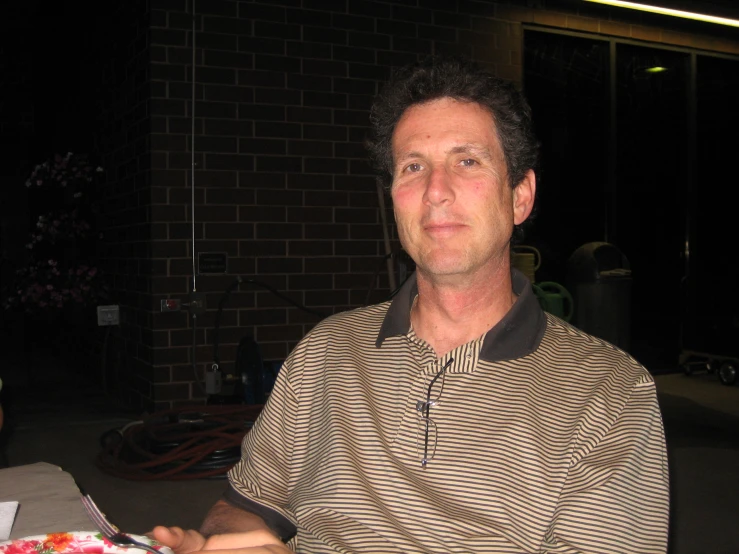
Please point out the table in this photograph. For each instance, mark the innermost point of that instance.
(49, 500)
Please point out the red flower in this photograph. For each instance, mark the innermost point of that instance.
(57, 541)
(20, 547)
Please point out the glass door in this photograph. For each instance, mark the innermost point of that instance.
(652, 163)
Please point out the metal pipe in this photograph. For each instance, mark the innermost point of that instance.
(192, 153)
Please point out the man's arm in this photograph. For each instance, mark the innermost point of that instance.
(616, 497)
(226, 527)
(241, 520)
(227, 518)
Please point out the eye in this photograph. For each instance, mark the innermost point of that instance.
(469, 162)
(414, 168)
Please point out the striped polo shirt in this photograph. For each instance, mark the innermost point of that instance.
(544, 439)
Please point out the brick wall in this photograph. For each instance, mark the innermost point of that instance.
(123, 141)
(282, 185)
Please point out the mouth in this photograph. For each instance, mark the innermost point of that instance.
(442, 228)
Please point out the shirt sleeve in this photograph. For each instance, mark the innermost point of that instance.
(259, 482)
(616, 496)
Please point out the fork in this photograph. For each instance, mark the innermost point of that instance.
(110, 531)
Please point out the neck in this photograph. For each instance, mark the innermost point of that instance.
(449, 314)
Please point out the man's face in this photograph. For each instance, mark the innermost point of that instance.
(453, 206)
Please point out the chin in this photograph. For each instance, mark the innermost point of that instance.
(445, 267)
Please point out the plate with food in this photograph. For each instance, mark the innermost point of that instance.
(87, 542)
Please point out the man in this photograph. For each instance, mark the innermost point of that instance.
(459, 417)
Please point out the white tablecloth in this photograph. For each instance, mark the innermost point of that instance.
(49, 500)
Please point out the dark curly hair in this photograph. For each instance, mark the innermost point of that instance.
(441, 77)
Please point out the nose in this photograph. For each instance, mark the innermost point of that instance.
(439, 189)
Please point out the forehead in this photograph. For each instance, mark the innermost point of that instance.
(445, 120)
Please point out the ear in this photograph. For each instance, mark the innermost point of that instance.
(523, 197)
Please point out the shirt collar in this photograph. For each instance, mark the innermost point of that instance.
(517, 334)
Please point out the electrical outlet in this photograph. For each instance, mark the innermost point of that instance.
(170, 305)
(108, 315)
(197, 303)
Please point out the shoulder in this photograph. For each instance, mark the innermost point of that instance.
(351, 323)
(585, 374)
(591, 380)
(349, 335)
(352, 328)
(571, 347)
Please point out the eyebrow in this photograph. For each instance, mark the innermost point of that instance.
(468, 148)
(407, 156)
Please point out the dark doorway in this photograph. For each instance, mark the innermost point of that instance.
(652, 173)
(712, 306)
(566, 81)
(637, 145)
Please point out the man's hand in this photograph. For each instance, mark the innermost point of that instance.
(179, 540)
(229, 529)
(250, 542)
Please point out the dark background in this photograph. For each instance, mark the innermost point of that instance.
(282, 94)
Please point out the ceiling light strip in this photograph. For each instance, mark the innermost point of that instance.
(669, 11)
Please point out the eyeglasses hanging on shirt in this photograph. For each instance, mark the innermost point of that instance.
(428, 426)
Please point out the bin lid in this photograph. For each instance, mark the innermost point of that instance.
(597, 262)
(616, 274)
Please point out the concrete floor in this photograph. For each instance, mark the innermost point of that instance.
(61, 421)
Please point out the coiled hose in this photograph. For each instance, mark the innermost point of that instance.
(201, 442)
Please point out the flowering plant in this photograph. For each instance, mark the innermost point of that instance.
(63, 171)
(42, 286)
(57, 226)
(60, 270)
